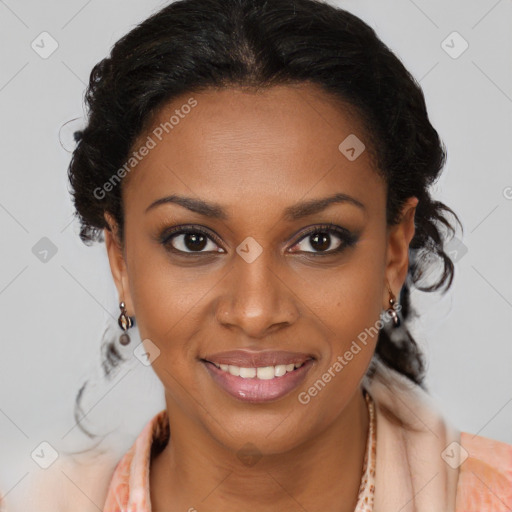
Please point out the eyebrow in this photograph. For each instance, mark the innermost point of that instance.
(291, 213)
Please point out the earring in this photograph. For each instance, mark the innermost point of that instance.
(125, 322)
(391, 311)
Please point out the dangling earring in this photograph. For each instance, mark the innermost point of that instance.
(125, 322)
(392, 308)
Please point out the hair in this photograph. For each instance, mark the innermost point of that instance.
(194, 45)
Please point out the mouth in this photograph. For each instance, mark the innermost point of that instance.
(261, 372)
(258, 376)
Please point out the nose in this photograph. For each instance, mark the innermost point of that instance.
(256, 298)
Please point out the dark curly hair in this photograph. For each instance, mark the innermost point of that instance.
(193, 45)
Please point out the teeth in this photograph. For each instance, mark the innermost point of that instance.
(266, 372)
(234, 370)
(247, 373)
(263, 372)
(280, 370)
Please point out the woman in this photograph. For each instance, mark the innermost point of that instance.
(260, 172)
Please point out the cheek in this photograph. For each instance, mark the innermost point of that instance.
(349, 312)
(165, 307)
(160, 297)
(171, 305)
(350, 317)
(162, 294)
(352, 298)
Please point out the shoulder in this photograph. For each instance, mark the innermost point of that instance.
(76, 483)
(85, 481)
(485, 478)
(129, 485)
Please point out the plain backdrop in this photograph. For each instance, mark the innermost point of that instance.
(56, 305)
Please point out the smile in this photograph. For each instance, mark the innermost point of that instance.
(258, 376)
(262, 373)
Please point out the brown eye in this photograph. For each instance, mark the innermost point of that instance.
(189, 240)
(320, 241)
(193, 241)
(326, 240)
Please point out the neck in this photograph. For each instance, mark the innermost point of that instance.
(194, 472)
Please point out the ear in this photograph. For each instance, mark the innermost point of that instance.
(117, 263)
(398, 239)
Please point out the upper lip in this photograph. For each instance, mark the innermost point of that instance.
(257, 359)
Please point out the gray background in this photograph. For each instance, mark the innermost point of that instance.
(54, 308)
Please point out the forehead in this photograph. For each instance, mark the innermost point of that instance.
(277, 142)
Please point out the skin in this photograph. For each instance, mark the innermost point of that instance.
(256, 154)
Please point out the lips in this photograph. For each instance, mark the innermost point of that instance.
(248, 359)
(258, 376)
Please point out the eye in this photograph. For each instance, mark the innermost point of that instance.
(320, 239)
(197, 240)
(183, 239)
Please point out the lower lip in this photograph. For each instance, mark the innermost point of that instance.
(258, 390)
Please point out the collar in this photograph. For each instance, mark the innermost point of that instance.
(413, 441)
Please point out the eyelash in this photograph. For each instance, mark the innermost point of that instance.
(347, 238)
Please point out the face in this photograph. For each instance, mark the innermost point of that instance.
(263, 274)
